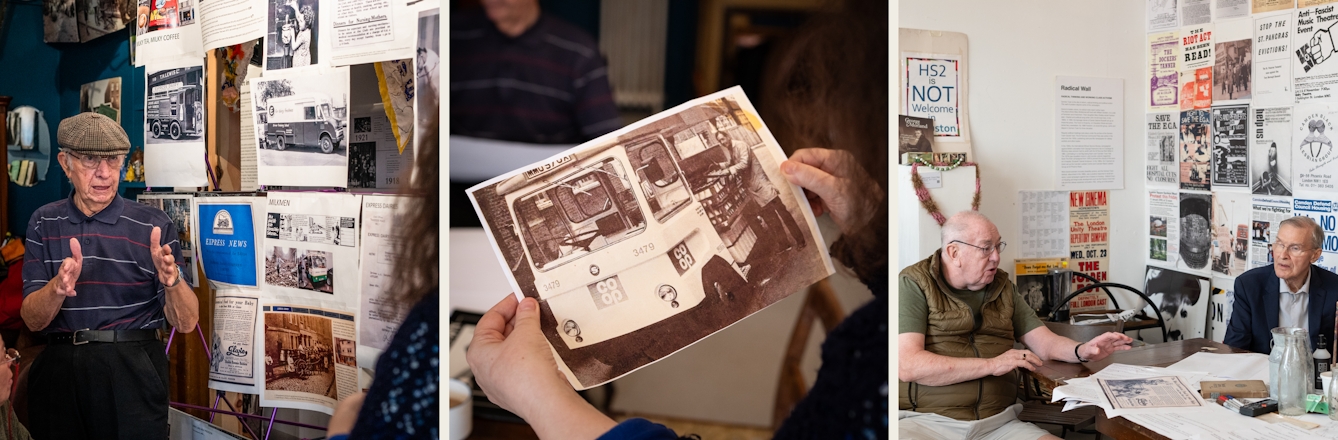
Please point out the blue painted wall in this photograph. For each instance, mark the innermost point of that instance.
(48, 77)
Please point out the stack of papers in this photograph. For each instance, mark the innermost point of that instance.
(1153, 397)
(1130, 389)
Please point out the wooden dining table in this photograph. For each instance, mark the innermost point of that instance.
(1053, 373)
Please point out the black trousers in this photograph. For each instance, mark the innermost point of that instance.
(99, 391)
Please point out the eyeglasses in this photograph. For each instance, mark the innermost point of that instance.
(1293, 249)
(11, 356)
(93, 162)
(986, 249)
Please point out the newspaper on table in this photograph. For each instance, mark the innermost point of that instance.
(1150, 392)
(307, 313)
(648, 239)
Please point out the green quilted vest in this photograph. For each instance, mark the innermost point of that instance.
(952, 332)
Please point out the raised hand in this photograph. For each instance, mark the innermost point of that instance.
(70, 268)
(163, 260)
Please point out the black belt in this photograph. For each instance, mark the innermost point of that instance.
(82, 337)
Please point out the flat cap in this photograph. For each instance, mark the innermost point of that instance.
(92, 134)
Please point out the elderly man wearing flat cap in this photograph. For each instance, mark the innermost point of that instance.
(101, 278)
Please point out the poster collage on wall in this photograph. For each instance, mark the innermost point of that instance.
(1241, 103)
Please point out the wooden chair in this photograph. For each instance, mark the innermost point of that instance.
(819, 304)
(1037, 409)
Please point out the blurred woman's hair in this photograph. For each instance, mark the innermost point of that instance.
(417, 254)
(827, 88)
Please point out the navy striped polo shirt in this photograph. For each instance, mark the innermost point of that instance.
(549, 85)
(118, 287)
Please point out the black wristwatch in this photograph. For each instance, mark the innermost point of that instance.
(178, 280)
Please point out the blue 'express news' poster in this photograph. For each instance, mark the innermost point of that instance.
(228, 243)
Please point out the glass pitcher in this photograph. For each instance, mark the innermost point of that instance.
(1289, 369)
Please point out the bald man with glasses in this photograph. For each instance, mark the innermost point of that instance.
(959, 317)
(1292, 292)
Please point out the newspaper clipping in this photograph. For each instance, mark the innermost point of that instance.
(1163, 71)
(1163, 227)
(164, 31)
(303, 367)
(1195, 232)
(1161, 165)
(1271, 70)
(1161, 15)
(233, 366)
(1152, 392)
(1314, 161)
(1230, 143)
(307, 313)
(1194, 12)
(1314, 77)
(1231, 231)
(1045, 224)
(1325, 212)
(1265, 215)
(1195, 151)
(1089, 243)
(378, 316)
(650, 238)
(1270, 155)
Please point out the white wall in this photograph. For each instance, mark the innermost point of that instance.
(1017, 48)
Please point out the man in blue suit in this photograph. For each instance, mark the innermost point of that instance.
(1292, 292)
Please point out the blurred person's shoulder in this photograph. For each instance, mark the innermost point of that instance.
(563, 34)
(469, 22)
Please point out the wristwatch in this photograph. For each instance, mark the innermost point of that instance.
(178, 280)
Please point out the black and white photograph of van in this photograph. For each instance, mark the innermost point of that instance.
(302, 121)
(174, 107)
(638, 245)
